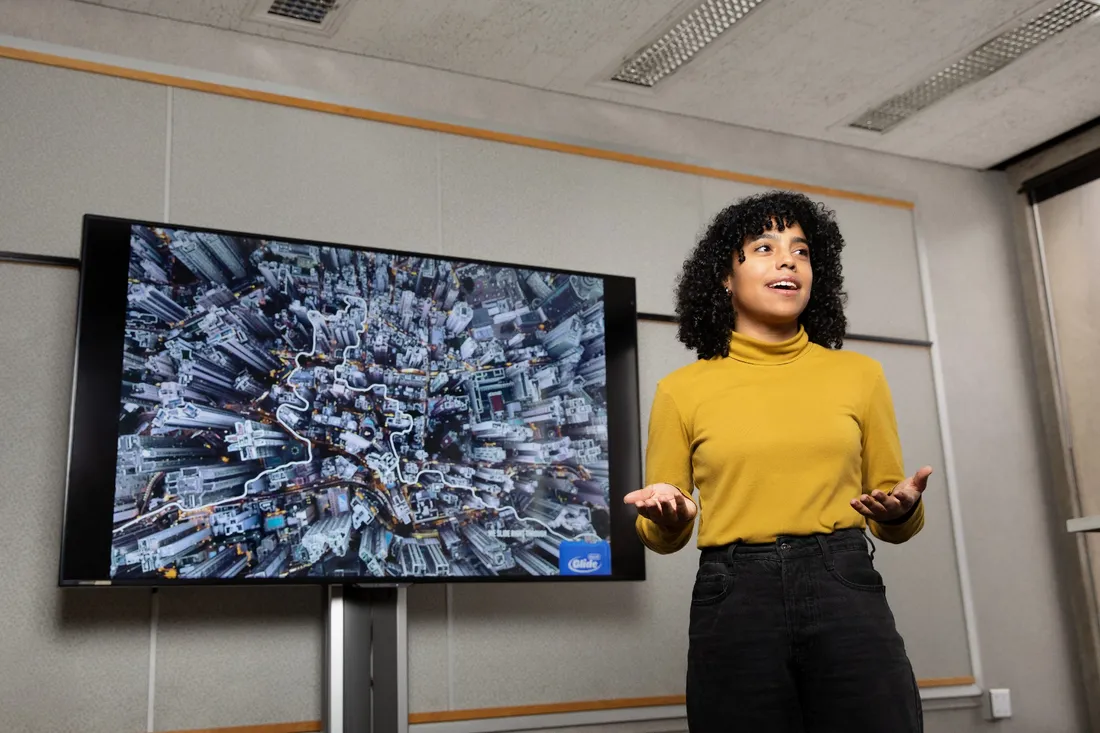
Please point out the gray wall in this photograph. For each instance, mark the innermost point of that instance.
(100, 639)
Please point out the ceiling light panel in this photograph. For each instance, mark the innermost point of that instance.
(307, 11)
(315, 17)
(684, 40)
(984, 61)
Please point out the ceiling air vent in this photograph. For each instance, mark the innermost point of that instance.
(312, 16)
(980, 63)
(696, 29)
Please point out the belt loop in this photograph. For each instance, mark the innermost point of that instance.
(730, 551)
(870, 543)
(825, 554)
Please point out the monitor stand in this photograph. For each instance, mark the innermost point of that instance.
(366, 660)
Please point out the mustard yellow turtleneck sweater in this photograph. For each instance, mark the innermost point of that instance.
(778, 438)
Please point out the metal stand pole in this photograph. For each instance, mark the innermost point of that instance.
(366, 660)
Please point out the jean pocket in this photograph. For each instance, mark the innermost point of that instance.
(856, 570)
(712, 584)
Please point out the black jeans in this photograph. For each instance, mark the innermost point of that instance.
(796, 636)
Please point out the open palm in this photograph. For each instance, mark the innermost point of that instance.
(883, 507)
(664, 504)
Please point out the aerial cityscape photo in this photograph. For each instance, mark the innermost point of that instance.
(293, 410)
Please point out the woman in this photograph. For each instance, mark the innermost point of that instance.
(793, 446)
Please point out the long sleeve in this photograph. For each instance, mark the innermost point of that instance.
(668, 460)
(883, 467)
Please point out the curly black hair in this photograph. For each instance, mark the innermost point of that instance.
(703, 306)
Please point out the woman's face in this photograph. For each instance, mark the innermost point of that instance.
(772, 286)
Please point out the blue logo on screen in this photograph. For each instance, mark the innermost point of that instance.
(584, 558)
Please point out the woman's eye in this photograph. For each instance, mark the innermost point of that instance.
(763, 248)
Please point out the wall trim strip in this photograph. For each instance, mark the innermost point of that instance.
(935, 682)
(511, 711)
(305, 726)
(514, 711)
(28, 258)
(924, 343)
(225, 90)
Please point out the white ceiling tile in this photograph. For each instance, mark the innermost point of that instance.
(217, 13)
(136, 6)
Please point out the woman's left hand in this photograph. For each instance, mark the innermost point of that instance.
(883, 507)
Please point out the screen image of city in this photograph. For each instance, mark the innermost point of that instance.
(293, 410)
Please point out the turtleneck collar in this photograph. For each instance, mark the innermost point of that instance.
(754, 351)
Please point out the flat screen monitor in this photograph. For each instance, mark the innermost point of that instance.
(258, 409)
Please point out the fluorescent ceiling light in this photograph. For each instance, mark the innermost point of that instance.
(698, 27)
(980, 63)
(308, 11)
(316, 17)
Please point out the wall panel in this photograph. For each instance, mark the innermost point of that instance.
(535, 207)
(922, 575)
(73, 144)
(73, 661)
(286, 172)
(239, 656)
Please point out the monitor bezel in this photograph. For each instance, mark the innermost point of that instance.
(96, 390)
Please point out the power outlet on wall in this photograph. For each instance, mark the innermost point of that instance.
(1000, 704)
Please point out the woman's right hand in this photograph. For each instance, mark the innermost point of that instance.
(664, 504)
